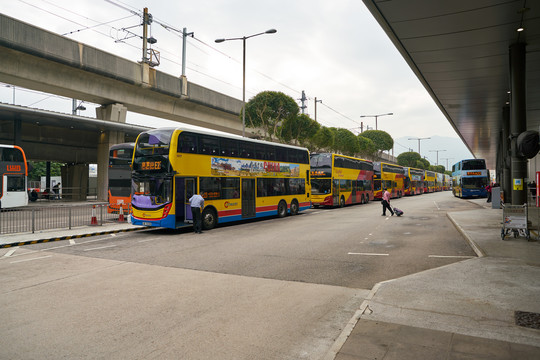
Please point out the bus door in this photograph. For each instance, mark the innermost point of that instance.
(248, 198)
(190, 185)
(335, 192)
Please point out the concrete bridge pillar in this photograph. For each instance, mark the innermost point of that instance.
(116, 113)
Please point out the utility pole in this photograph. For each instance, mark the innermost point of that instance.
(185, 34)
(437, 151)
(303, 100)
(316, 101)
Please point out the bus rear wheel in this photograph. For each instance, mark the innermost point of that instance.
(294, 207)
(342, 202)
(282, 209)
(209, 219)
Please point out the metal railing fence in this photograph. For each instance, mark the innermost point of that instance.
(32, 219)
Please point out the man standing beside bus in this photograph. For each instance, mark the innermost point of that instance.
(197, 204)
(386, 203)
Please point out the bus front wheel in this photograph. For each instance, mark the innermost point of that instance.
(342, 202)
(209, 219)
(282, 209)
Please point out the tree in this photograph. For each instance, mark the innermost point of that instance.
(366, 147)
(37, 169)
(268, 110)
(424, 164)
(408, 159)
(381, 139)
(322, 140)
(346, 142)
(299, 129)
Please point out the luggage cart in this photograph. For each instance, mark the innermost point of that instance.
(515, 221)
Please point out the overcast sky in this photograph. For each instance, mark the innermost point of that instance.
(333, 50)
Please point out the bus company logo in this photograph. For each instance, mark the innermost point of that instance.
(227, 204)
(14, 168)
(474, 173)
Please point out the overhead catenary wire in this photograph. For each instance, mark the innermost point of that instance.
(173, 30)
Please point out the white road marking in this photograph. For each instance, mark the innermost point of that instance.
(368, 254)
(99, 248)
(438, 208)
(72, 242)
(38, 258)
(10, 252)
(452, 256)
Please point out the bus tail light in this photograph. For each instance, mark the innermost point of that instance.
(166, 210)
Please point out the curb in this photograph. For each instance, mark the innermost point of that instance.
(479, 252)
(68, 237)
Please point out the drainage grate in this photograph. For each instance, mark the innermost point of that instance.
(527, 319)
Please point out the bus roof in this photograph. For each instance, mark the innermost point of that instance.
(228, 136)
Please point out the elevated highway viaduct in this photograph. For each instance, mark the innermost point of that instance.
(40, 60)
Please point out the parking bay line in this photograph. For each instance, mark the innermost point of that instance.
(368, 254)
(37, 258)
(99, 248)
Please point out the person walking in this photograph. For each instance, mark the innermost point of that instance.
(488, 189)
(197, 204)
(386, 203)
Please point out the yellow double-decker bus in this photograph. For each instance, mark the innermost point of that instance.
(414, 181)
(337, 180)
(430, 179)
(390, 177)
(239, 178)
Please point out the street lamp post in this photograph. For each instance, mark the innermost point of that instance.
(437, 151)
(419, 139)
(376, 117)
(447, 168)
(244, 38)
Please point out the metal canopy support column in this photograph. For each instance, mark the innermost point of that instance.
(518, 121)
(506, 179)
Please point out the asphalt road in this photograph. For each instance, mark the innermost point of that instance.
(270, 289)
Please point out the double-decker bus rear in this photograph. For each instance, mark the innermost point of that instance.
(337, 180)
(414, 181)
(390, 177)
(430, 181)
(13, 177)
(119, 173)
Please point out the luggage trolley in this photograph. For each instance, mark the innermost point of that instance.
(515, 221)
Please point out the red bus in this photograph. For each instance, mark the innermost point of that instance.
(337, 180)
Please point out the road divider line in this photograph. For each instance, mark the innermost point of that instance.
(99, 248)
(368, 254)
(452, 256)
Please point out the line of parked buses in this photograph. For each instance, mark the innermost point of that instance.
(241, 178)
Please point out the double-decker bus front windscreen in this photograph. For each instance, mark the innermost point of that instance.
(470, 178)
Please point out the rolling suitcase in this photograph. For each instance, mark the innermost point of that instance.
(398, 212)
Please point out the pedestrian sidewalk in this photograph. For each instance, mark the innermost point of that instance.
(466, 310)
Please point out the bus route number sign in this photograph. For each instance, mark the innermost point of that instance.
(151, 165)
